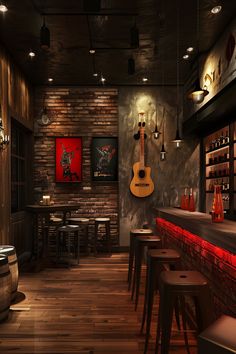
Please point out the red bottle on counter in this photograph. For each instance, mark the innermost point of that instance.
(191, 206)
(217, 213)
(184, 200)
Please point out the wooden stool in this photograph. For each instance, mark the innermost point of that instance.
(219, 337)
(106, 223)
(5, 288)
(141, 242)
(68, 239)
(157, 261)
(133, 234)
(84, 225)
(10, 253)
(176, 284)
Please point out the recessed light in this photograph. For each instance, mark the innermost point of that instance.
(95, 74)
(216, 9)
(190, 49)
(145, 79)
(92, 51)
(32, 54)
(50, 79)
(185, 57)
(3, 8)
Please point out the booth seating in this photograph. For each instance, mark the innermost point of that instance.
(133, 234)
(68, 244)
(157, 261)
(5, 288)
(175, 285)
(10, 252)
(102, 234)
(219, 337)
(83, 224)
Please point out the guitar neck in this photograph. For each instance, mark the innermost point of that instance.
(142, 162)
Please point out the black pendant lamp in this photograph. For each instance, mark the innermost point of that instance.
(44, 36)
(163, 151)
(198, 94)
(134, 37)
(131, 66)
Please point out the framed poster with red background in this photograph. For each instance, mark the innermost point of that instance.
(68, 159)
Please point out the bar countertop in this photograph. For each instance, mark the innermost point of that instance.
(219, 234)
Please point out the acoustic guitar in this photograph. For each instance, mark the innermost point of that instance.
(141, 184)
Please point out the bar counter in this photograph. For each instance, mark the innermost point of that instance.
(204, 246)
(222, 235)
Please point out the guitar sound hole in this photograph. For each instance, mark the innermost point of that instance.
(141, 173)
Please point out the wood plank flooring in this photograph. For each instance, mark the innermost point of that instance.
(84, 310)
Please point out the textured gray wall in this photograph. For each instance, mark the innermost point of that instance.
(179, 171)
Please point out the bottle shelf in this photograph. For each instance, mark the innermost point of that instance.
(223, 192)
(218, 177)
(217, 163)
(218, 148)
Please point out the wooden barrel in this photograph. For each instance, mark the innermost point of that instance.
(10, 253)
(5, 288)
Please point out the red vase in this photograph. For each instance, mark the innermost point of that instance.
(217, 213)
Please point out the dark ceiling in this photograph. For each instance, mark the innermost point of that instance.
(68, 60)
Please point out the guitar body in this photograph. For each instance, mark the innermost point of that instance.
(141, 184)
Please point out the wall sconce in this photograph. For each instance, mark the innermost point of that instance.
(4, 139)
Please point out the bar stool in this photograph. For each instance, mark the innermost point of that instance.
(176, 284)
(139, 243)
(219, 337)
(133, 234)
(157, 261)
(67, 240)
(84, 225)
(52, 224)
(106, 223)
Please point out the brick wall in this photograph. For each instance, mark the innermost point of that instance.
(84, 112)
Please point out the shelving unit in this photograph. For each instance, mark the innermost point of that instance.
(220, 168)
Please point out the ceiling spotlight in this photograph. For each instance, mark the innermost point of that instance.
(31, 54)
(92, 51)
(50, 79)
(92, 5)
(131, 66)
(216, 9)
(95, 74)
(190, 49)
(44, 36)
(145, 79)
(185, 57)
(3, 8)
(134, 37)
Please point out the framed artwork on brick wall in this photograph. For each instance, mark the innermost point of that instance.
(68, 162)
(104, 159)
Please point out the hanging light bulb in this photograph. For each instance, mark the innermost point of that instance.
(198, 94)
(163, 153)
(44, 36)
(177, 139)
(156, 133)
(3, 7)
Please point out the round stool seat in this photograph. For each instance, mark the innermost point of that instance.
(55, 219)
(141, 231)
(165, 254)
(181, 279)
(147, 239)
(10, 252)
(81, 220)
(102, 219)
(68, 228)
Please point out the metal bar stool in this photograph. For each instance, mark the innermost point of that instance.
(67, 242)
(177, 284)
(139, 244)
(133, 234)
(106, 223)
(84, 225)
(157, 261)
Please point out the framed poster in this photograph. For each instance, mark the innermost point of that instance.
(104, 159)
(68, 159)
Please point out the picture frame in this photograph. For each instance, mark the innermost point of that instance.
(104, 158)
(68, 159)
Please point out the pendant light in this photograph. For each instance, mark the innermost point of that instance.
(198, 94)
(163, 151)
(156, 132)
(131, 66)
(178, 138)
(44, 36)
(134, 36)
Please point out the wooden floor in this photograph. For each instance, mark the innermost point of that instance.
(84, 310)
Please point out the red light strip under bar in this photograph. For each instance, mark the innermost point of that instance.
(202, 245)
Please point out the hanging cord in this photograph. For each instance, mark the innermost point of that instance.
(177, 62)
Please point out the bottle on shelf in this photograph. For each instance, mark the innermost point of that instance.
(191, 206)
(226, 137)
(222, 139)
(217, 213)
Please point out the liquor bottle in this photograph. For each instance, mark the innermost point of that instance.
(222, 139)
(191, 206)
(184, 200)
(217, 213)
(226, 137)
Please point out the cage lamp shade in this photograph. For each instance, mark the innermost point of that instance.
(198, 94)
(44, 37)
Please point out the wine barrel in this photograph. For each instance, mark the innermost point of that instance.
(5, 288)
(10, 253)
